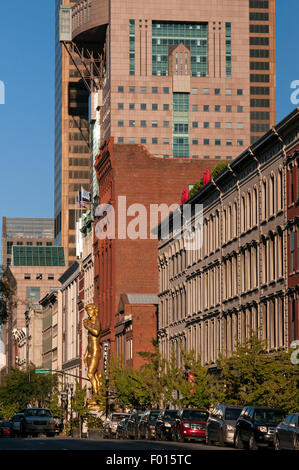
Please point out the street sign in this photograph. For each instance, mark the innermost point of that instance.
(42, 371)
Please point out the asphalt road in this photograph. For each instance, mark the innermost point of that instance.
(63, 443)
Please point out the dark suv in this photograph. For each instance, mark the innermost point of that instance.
(190, 424)
(146, 426)
(256, 427)
(221, 424)
(37, 421)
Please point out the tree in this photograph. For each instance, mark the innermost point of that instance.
(80, 404)
(7, 290)
(253, 375)
(23, 387)
(196, 386)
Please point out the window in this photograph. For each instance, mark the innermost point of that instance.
(33, 294)
(165, 90)
(120, 89)
(260, 115)
(206, 141)
(19, 243)
(166, 140)
(259, 4)
(229, 142)
(50, 277)
(131, 89)
(260, 53)
(256, 103)
(29, 243)
(39, 277)
(120, 105)
(39, 244)
(120, 140)
(206, 107)
(194, 107)
(132, 140)
(166, 107)
(228, 91)
(260, 90)
(240, 109)
(206, 125)
(143, 106)
(259, 16)
(258, 78)
(259, 28)
(217, 142)
(132, 106)
(228, 109)
(165, 123)
(194, 91)
(195, 124)
(195, 141)
(49, 244)
(239, 91)
(229, 125)
(154, 107)
(142, 123)
(120, 123)
(217, 91)
(259, 128)
(240, 143)
(143, 89)
(27, 276)
(143, 140)
(154, 89)
(259, 41)
(217, 125)
(259, 65)
(217, 108)
(154, 140)
(154, 123)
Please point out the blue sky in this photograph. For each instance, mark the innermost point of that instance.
(27, 118)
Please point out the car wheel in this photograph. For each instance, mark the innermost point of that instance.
(296, 443)
(252, 443)
(209, 442)
(276, 443)
(238, 442)
(147, 434)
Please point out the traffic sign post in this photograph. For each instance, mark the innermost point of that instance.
(42, 371)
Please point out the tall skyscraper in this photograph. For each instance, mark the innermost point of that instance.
(72, 148)
(186, 79)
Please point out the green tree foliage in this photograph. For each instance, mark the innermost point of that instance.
(80, 404)
(219, 168)
(23, 388)
(253, 376)
(6, 295)
(197, 383)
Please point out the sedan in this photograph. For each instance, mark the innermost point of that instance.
(287, 433)
(4, 428)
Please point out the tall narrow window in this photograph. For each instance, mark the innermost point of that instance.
(132, 47)
(228, 50)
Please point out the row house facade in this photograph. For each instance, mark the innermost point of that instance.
(238, 277)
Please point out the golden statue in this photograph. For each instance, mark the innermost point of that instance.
(92, 354)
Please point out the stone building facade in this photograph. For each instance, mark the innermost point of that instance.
(236, 279)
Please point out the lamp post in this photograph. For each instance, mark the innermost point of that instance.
(27, 320)
(64, 400)
(72, 396)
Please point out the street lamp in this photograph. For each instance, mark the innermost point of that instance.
(72, 396)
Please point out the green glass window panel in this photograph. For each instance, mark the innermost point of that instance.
(193, 35)
(228, 51)
(38, 256)
(132, 47)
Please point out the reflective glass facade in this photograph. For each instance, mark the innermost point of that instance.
(192, 35)
(181, 125)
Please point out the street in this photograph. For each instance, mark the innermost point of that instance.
(66, 443)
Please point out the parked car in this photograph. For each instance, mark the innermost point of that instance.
(37, 421)
(190, 424)
(4, 428)
(132, 427)
(110, 425)
(164, 424)
(122, 428)
(221, 424)
(256, 427)
(287, 433)
(146, 427)
(15, 424)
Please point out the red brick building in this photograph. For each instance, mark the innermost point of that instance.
(125, 267)
(293, 243)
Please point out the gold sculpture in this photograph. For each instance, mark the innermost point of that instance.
(92, 353)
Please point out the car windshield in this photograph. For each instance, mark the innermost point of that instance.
(34, 412)
(196, 415)
(232, 414)
(117, 417)
(170, 414)
(4, 424)
(154, 414)
(268, 416)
